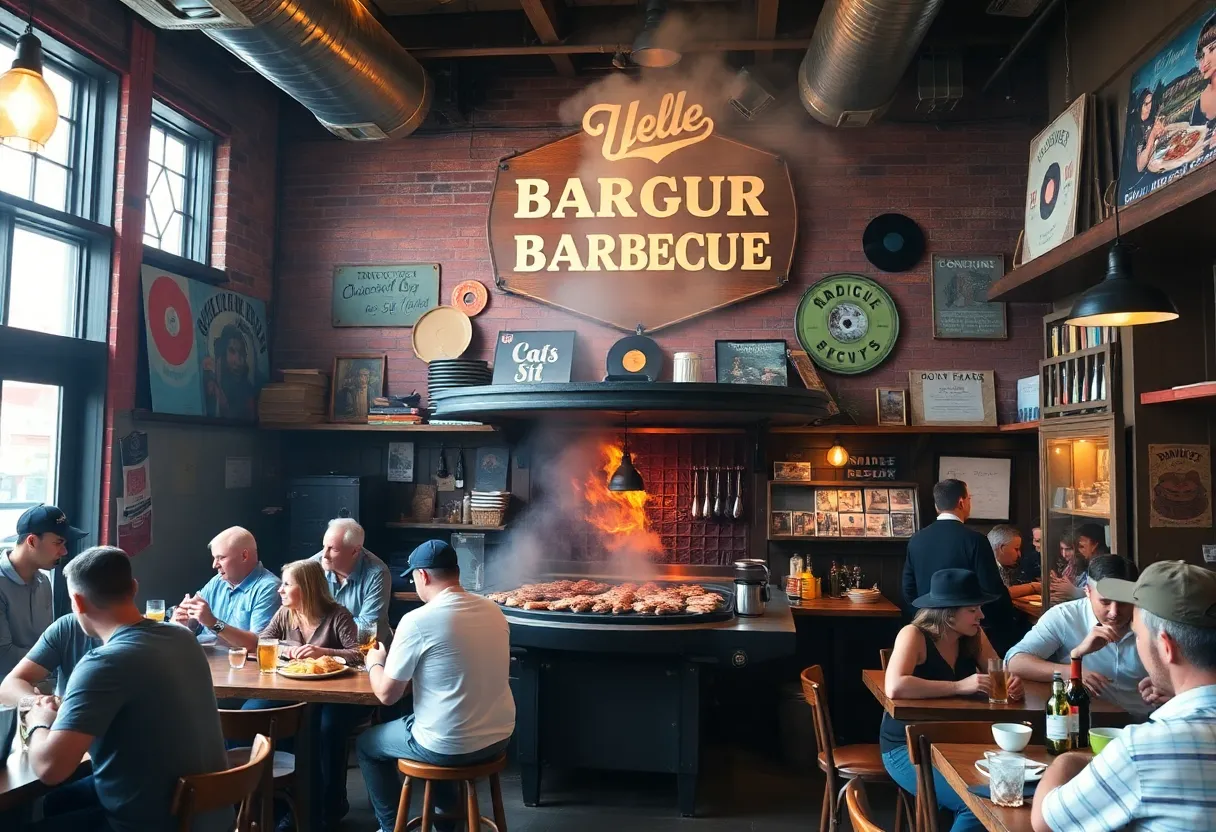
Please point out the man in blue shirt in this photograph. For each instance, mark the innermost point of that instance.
(237, 604)
(358, 580)
(141, 705)
(25, 592)
(57, 653)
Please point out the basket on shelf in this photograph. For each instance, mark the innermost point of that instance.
(490, 507)
(489, 516)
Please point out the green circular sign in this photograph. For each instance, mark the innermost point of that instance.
(847, 323)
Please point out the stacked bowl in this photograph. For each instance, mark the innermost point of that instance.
(490, 507)
(446, 373)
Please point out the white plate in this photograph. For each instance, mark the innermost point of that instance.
(1034, 771)
(312, 676)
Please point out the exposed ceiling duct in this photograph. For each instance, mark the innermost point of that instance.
(858, 54)
(332, 56)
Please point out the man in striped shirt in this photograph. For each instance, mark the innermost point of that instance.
(1162, 774)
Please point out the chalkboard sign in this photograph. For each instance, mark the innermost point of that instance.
(533, 357)
(384, 295)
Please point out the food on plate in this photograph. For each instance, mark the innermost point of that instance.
(313, 667)
(595, 597)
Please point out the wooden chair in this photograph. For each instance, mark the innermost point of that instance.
(859, 808)
(276, 724)
(467, 776)
(921, 738)
(841, 764)
(201, 793)
(884, 656)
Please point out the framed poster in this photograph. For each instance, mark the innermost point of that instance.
(892, 406)
(357, 380)
(1170, 112)
(400, 461)
(751, 362)
(961, 309)
(1181, 479)
(1051, 190)
(988, 479)
(384, 295)
(952, 397)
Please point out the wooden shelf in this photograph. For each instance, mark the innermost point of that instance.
(1207, 390)
(456, 527)
(1175, 218)
(1082, 512)
(406, 596)
(908, 430)
(385, 428)
(844, 608)
(835, 537)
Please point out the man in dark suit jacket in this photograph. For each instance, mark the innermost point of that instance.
(948, 544)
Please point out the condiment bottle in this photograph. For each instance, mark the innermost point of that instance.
(466, 509)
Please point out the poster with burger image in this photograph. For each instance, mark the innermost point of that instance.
(1181, 480)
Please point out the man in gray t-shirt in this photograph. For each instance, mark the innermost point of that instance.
(55, 655)
(141, 704)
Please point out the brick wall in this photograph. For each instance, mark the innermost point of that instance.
(424, 199)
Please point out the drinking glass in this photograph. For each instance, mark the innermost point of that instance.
(237, 657)
(998, 675)
(155, 611)
(367, 639)
(268, 654)
(24, 706)
(1006, 779)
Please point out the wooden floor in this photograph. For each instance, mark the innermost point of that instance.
(741, 793)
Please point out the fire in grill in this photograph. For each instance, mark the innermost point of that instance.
(626, 599)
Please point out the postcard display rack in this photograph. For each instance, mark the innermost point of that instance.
(838, 510)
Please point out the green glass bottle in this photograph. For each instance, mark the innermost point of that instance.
(1058, 713)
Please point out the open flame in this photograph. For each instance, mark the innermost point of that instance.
(619, 515)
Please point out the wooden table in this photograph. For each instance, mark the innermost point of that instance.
(18, 783)
(956, 762)
(353, 688)
(1032, 707)
(1024, 604)
(844, 608)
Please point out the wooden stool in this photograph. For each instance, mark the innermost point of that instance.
(467, 777)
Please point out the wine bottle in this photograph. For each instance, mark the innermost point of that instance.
(1057, 717)
(1078, 709)
(459, 468)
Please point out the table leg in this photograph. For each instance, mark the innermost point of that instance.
(308, 791)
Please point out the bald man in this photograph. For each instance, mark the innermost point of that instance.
(239, 601)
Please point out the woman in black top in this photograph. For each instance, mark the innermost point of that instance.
(939, 654)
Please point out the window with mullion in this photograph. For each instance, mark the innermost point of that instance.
(177, 214)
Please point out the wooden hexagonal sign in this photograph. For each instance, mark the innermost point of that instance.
(642, 218)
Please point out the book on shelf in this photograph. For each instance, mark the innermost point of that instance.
(393, 411)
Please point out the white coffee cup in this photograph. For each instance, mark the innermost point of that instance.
(686, 366)
(1011, 736)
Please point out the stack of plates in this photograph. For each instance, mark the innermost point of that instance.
(490, 500)
(446, 373)
(863, 596)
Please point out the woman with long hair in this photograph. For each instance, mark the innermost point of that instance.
(1144, 126)
(1088, 541)
(941, 653)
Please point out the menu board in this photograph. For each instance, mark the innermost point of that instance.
(384, 295)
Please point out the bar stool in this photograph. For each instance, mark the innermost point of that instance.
(467, 776)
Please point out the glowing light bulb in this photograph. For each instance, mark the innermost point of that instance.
(28, 110)
(837, 456)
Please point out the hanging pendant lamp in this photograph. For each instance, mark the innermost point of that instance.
(1120, 299)
(28, 110)
(626, 477)
(652, 48)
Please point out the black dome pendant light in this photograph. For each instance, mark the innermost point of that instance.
(626, 477)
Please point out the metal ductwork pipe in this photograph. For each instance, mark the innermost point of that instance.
(858, 54)
(332, 56)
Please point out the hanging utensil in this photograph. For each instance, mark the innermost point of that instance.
(717, 492)
(707, 507)
(737, 509)
(696, 494)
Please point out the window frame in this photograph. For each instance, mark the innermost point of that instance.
(199, 200)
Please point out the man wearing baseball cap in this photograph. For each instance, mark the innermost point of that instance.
(25, 593)
(455, 652)
(1161, 774)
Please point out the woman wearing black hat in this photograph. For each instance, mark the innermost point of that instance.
(939, 655)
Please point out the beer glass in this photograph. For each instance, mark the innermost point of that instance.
(367, 639)
(155, 611)
(268, 654)
(237, 657)
(24, 706)
(1006, 779)
(998, 675)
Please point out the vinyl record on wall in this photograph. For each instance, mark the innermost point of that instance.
(635, 356)
(893, 242)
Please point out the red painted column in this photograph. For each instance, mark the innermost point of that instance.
(134, 126)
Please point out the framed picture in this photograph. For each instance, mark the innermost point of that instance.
(796, 471)
(877, 499)
(827, 524)
(903, 525)
(902, 499)
(848, 499)
(357, 380)
(952, 397)
(961, 309)
(825, 499)
(1052, 193)
(892, 404)
(852, 524)
(878, 525)
(988, 479)
(781, 522)
(751, 362)
(804, 523)
(400, 461)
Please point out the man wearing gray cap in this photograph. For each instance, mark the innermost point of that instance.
(1161, 774)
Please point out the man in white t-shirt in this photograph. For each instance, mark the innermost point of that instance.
(455, 653)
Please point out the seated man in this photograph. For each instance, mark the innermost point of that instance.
(1098, 629)
(1161, 774)
(142, 705)
(455, 652)
(57, 653)
(25, 592)
(357, 579)
(1006, 542)
(238, 603)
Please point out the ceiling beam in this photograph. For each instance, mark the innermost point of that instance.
(425, 53)
(543, 17)
(766, 26)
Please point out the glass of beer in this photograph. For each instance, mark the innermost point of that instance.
(268, 654)
(998, 675)
(237, 657)
(367, 640)
(155, 611)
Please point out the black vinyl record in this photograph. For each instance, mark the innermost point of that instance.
(636, 357)
(893, 242)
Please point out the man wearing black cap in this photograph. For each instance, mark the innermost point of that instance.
(1161, 774)
(25, 593)
(455, 653)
